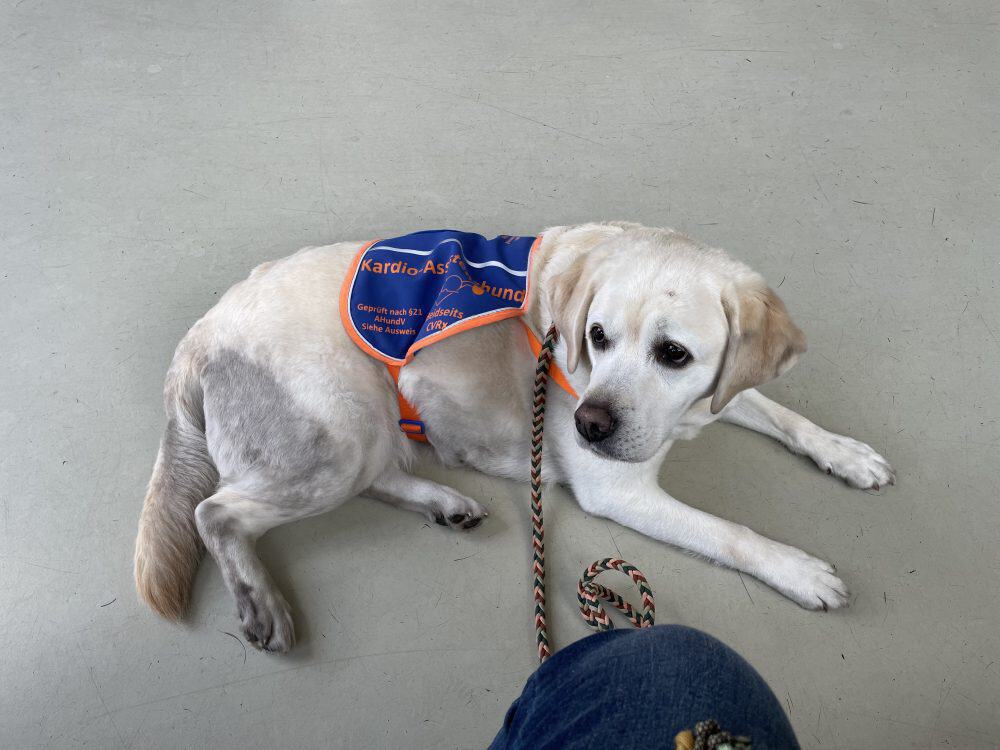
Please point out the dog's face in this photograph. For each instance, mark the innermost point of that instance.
(662, 324)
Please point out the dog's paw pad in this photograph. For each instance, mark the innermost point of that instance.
(265, 620)
(457, 511)
(465, 520)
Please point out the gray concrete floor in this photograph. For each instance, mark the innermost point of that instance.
(152, 153)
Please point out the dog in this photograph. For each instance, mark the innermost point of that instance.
(275, 414)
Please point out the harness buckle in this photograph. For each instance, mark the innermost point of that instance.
(412, 427)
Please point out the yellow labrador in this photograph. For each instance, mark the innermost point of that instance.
(275, 415)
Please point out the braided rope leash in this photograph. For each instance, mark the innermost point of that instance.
(589, 593)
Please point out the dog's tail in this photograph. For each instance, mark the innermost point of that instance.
(168, 547)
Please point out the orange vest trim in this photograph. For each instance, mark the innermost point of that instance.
(555, 372)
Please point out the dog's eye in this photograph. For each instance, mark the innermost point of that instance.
(597, 336)
(672, 354)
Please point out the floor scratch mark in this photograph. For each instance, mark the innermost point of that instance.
(239, 641)
(745, 588)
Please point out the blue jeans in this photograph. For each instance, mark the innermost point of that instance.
(639, 688)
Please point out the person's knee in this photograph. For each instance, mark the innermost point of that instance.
(674, 676)
(668, 641)
(673, 636)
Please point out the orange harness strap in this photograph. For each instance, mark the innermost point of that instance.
(409, 418)
(555, 373)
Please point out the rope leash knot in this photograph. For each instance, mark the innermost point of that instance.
(589, 593)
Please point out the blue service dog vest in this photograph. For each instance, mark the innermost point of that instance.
(405, 293)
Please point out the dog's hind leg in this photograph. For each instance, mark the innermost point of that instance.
(438, 503)
(851, 460)
(282, 455)
(230, 522)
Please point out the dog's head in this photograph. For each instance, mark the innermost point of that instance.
(666, 329)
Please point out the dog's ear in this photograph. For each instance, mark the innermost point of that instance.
(571, 291)
(570, 295)
(763, 340)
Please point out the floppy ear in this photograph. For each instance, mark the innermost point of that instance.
(763, 340)
(570, 295)
(571, 291)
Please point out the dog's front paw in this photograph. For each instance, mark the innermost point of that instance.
(806, 580)
(457, 511)
(267, 623)
(851, 460)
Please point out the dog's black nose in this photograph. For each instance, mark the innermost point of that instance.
(594, 421)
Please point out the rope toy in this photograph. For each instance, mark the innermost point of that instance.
(589, 592)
